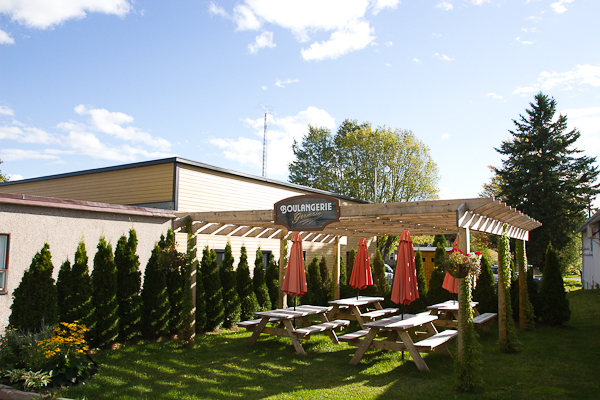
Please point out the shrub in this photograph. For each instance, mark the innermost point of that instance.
(200, 300)
(171, 261)
(248, 302)
(213, 292)
(104, 296)
(555, 305)
(129, 282)
(64, 289)
(313, 283)
(272, 281)
(326, 284)
(231, 303)
(258, 282)
(82, 307)
(155, 299)
(485, 291)
(19, 349)
(421, 303)
(35, 299)
(380, 284)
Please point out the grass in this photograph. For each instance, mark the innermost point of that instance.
(555, 362)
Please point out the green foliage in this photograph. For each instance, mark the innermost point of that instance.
(534, 294)
(419, 304)
(35, 299)
(345, 289)
(468, 369)
(314, 283)
(19, 349)
(436, 293)
(155, 298)
(258, 283)
(326, 282)
(509, 343)
(213, 292)
(104, 296)
(188, 316)
(129, 282)
(64, 289)
(29, 380)
(343, 273)
(172, 262)
(485, 291)
(245, 289)
(555, 305)
(380, 284)
(543, 177)
(440, 239)
(272, 281)
(521, 260)
(82, 307)
(231, 302)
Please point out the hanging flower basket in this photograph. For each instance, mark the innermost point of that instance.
(460, 265)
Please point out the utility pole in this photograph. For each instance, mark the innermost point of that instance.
(264, 165)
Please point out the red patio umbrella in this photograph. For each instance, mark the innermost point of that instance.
(361, 271)
(405, 289)
(450, 283)
(294, 282)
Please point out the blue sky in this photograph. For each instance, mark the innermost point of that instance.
(96, 83)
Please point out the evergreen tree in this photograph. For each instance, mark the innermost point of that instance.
(35, 299)
(64, 289)
(82, 307)
(187, 332)
(485, 291)
(351, 259)
(555, 305)
(104, 296)
(437, 294)
(129, 282)
(245, 289)
(380, 284)
(419, 304)
(171, 262)
(231, 302)
(155, 299)
(200, 299)
(213, 292)
(343, 273)
(272, 278)
(543, 177)
(313, 283)
(326, 284)
(534, 295)
(440, 239)
(258, 282)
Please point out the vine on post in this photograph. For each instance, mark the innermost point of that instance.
(468, 363)
(507, 335)
(526, 313)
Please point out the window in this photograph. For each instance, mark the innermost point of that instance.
(266, 256)
(220, 256)
(3, 262)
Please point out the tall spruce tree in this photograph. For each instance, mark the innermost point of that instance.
(155, 298)
(82, 307)
(272, 280)
(258, 281)
(543, 177)
(129, 284)
(35, 299)
(437, 294)
(171, 262)
(313, 283)
(213, 291)
(64, 289)
(485, 291)
(555, 305)
(380, 283)
(419, 304)
(104, 296)
(326, 283)
(245, 289)
(231, 302)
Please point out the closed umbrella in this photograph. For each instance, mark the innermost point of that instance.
(361, 271)
(294, 282)
(405, 289)
(450, 283)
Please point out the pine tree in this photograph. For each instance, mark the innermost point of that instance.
(543, 177)
(64, 289)
(380, 284)
(555, 305)
(35, 299)
(171, 262)
(104, 296)
(313, 283)
(129, 282)
(437, 294)
(82, 306)
(485, 291)
(231, 301)
(245, 289)
(200, 299)
(258, 282)
(272, 280)
(326, 284)
(155, 299)
(213, 291)
(419, 304)
(351, 259)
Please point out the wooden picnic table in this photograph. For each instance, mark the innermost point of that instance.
(361, 308)
(447, 313)
(413, 333)
(282, 319)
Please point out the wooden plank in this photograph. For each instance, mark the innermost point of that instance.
(364, 346)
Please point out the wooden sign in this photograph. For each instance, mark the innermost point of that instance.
(307, 213)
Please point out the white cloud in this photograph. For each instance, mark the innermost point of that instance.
(445, 5)
(534, 18)
(351, 38)
(443, 57)
(381, 4)
(263, 40)
(518, 39)
(559, 7)
(415, 59)
(263, 87)
(4, 110)
(587, 120)
(282, 84)
(445, 136)
(5, 38)
(388, 64)
(479, 2)
(494, 96)
(14, 177)
(529, 30)
(25, 134)
(388, 44)
(525, 90)
(580, 75)
(20, 155)
(281, 133)
(216, 9)
(44, 14)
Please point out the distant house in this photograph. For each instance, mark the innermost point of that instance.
(427, 254)
(590, 252)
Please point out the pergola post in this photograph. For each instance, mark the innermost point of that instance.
(464, 245)
(282, 266)
(336, 268)
(523, 294)
(192, 248)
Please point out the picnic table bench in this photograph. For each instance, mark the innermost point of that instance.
(358, 309)
(447, 313)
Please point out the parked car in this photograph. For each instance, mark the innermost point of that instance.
(495, 272)
(389, 274)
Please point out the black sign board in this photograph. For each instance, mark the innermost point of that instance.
(307, 213)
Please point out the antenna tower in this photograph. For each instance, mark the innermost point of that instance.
(264, 165)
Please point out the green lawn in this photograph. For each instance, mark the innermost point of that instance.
(554, 363)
